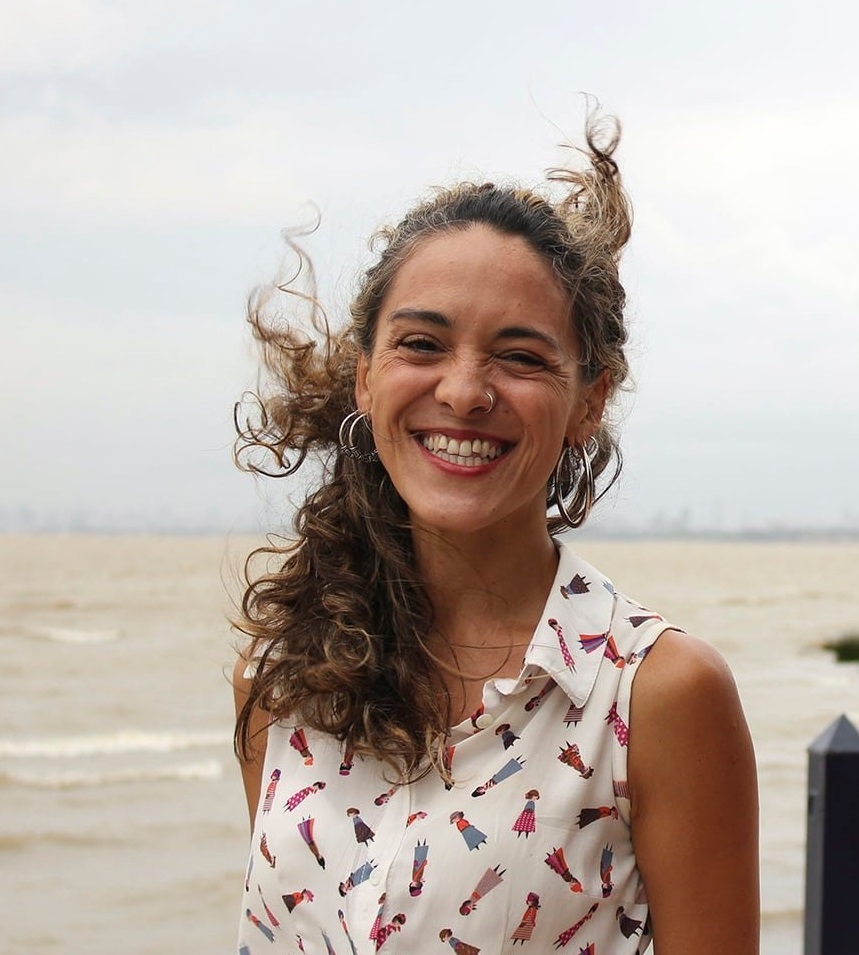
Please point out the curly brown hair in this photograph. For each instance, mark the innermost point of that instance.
(338, 618)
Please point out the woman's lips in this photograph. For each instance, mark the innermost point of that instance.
(466, 452)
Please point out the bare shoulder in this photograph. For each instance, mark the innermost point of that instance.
(680, 658)
(682, 671)
(252, 759)
(242, 676)
(244, 670)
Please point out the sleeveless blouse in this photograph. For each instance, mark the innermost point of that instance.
(529, 849)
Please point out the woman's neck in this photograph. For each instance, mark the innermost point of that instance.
(478, 583)
(487, 596)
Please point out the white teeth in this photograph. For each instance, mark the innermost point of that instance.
(466, 453)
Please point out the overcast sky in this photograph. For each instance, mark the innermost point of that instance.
(151, 152)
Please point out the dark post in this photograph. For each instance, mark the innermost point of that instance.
(832, 853)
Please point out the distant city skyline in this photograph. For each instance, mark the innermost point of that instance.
(605, 522)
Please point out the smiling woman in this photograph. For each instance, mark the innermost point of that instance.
(473, 346)
(460, 417)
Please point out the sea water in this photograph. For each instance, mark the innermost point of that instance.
(122, 820)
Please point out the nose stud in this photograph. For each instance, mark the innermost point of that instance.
(491, 398)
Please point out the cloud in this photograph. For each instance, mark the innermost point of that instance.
(114, 362)
(139, 173)
(752, 170)
(46, 35)
(68, 36)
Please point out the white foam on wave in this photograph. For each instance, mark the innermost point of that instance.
(74, 635)
(205, 770)
(109, 744)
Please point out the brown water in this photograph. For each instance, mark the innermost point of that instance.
(122, 822)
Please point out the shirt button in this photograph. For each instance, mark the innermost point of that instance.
(484, 720)
(375, 877)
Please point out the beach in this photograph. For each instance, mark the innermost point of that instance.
(122, 820)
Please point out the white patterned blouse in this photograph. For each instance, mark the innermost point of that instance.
(529, 850)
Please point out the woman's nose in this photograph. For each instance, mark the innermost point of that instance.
(463, 387)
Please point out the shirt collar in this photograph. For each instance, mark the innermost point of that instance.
(569, 640)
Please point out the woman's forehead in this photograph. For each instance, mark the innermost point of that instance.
(477, 261)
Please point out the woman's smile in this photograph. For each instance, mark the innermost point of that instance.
(464, 451)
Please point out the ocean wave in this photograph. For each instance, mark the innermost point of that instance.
(15, 841)
(47, 601)
(773, 599)
(109, 744)
(74, 635)
(205, 770)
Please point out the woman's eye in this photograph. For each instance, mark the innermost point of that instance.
(421, 346)
(525, 359)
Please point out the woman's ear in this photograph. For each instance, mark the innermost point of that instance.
(598, 393)
(590, 407)
(363, 401)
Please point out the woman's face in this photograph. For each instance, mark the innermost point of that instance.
(472, 313)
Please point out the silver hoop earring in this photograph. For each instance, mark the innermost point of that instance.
(574, 475)
(491, 398)
(349, 438)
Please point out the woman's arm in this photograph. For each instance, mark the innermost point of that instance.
(252, 767)
(693, 785)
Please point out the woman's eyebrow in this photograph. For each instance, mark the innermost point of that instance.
(422, 314)
(525, 331)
